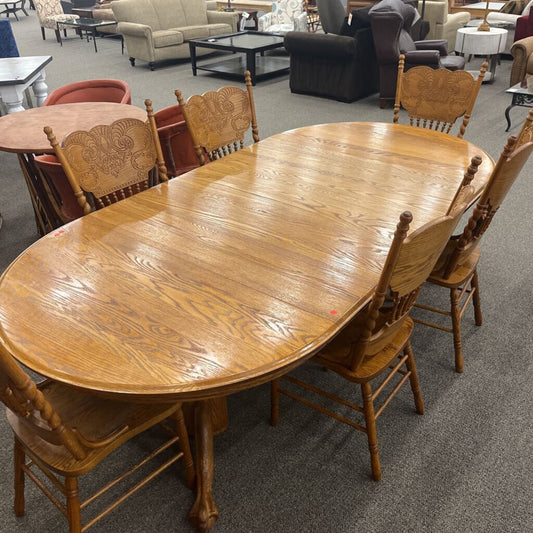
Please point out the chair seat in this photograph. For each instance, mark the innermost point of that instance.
(335, 355)
(95, 418)
(280, 28)
(460, 274)
(453, 62)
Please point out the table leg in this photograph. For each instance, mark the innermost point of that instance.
(12, 97)
(40, 89)
(507, 116)
(493, 62)
(192, 51)
(94, 40)
(250, 65)
(204, 512)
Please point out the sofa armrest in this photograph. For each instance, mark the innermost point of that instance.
(436, 44)
(422, 57)
(320, 44)
(494, 16)
(458, 20)
(132, 28)
(264, 22)
(103, 14)
(300, 22)
(224, 17)
(521, 52)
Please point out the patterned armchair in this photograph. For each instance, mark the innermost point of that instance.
(50, 12)
(286, 15)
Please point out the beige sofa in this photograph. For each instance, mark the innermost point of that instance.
(155, 30)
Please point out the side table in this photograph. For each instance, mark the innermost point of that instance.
(490, 44)
(522, 96)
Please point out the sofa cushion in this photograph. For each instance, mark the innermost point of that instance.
(360, 18)
(193, 32)
(219, 29)
(164, 38)
(195, 14)
(138, 13)
(171, 13)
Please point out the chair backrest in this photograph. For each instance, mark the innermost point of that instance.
(409, 262)
(61, 194)
(526, 133)
(22, 397)
(117, 91)
(176, 141)
(111, 162)
(435, 99)
(465, 193)
(502, 178)
(331, 13)
(285, 11)
(47, 8)
(219, 119)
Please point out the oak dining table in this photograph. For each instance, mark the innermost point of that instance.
(230, 275)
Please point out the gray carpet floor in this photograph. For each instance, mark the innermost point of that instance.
(465, 466)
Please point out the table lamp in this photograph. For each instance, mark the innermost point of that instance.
(484, 26)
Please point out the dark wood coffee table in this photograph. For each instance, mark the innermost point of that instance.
(249, 43)
(90, 26)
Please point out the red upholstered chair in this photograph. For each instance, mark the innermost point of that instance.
(91, 91)
(524, 27)
(60, 190)
(176, 141)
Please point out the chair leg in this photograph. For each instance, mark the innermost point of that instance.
(474, 284)
(73, 505)
(274, 402)
(42, 33)
(370, 422)
(413, 379)
(456, 326)
(58, 36)
(20, 459)
(181, 429)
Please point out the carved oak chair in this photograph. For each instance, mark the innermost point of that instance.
(436, 98)
(456, 269)
(63, 431)
(219, 119)
(376, 343)
(111, 162)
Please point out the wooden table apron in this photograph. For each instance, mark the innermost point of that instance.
(22, 133)
(230, 275)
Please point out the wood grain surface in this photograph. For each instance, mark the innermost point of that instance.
(233, 273)
(23, 132)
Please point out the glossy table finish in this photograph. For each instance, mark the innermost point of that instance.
(22, 133)
(230, 275)
(19, 73)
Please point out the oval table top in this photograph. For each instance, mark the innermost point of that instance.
(231, 274)
(23, 132)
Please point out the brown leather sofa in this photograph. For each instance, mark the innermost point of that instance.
(391, 21)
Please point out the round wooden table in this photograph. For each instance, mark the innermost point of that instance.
(22, 133)
(231, 275)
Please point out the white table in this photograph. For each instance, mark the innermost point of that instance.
(19, 73)
(491, 44)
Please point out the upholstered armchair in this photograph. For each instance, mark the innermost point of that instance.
(391, 21)
(443, 25)
(286, 15)
(50, 12)
(522, 52)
